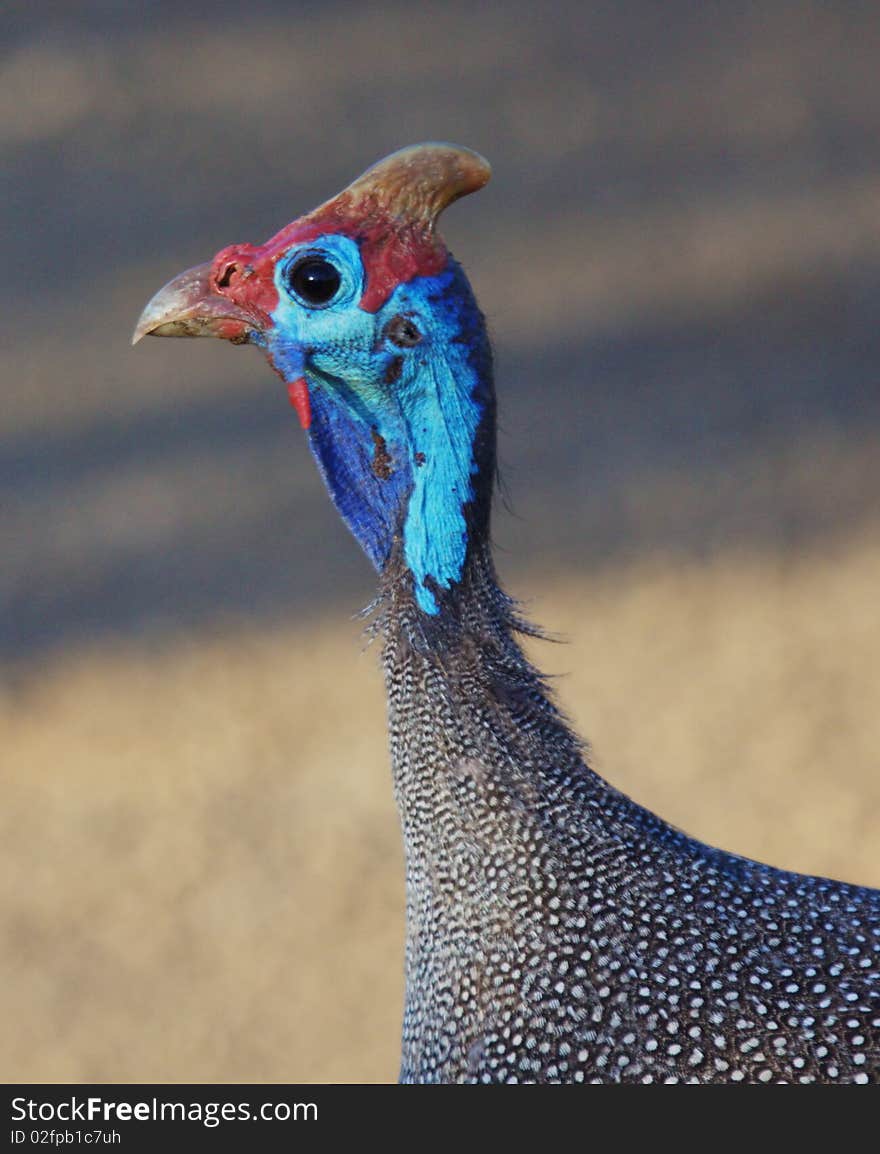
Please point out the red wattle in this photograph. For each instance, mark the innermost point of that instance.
(298, 394)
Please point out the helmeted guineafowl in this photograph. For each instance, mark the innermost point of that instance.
(556, 931)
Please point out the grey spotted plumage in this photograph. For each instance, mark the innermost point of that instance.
(556, 930)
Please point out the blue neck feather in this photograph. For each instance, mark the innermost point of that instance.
(444, 407)
(346, 455)
(415, 459)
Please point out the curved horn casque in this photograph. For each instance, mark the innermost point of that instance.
(415, 184)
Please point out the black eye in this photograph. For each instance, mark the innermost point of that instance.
(315, 280)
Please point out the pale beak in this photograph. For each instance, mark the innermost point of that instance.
(190, 306)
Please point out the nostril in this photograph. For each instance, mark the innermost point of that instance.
(228, 273)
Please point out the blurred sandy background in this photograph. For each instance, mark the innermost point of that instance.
(680, 259)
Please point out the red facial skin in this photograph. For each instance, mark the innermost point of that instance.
(392, 253)
(298, 395)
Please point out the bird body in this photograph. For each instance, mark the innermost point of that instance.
(556, 931)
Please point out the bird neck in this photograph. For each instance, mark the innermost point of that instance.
(478, 754)
(461, 693)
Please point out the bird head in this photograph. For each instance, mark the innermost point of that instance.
(372, 325)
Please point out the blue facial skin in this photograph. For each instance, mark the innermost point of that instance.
(394, 426)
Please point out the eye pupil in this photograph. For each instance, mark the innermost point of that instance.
(315, 280)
